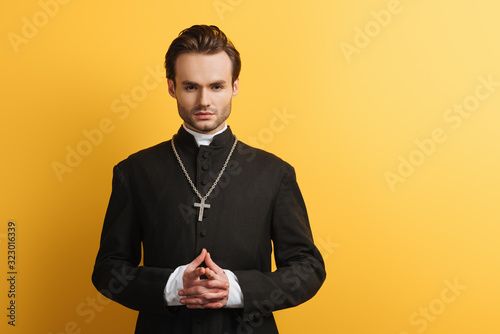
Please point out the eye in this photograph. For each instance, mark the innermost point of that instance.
(189, 87)
(218, 87)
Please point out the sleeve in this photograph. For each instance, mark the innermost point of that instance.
(117, 273)
(300, 268)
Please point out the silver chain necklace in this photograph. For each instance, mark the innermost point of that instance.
(202, 205)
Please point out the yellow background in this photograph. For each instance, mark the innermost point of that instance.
(391, 249)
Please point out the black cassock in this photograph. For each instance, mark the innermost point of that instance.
(257, 205)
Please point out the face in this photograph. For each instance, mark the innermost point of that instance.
(203, 90)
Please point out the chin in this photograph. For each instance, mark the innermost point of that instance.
(202, 129)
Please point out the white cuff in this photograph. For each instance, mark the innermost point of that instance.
(174, 284)
(235, 297)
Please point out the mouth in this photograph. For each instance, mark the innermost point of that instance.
(203, 115)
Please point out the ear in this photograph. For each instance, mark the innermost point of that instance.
(236, 87)
(171, 88)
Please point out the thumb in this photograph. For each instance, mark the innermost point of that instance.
(198, 260)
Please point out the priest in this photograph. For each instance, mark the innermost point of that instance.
(192, 223)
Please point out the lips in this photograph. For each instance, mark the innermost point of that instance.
(203, 115)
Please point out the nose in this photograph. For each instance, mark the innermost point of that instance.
(204, 98)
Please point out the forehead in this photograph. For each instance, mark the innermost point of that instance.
(203, 68)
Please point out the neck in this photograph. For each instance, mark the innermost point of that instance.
(202, 138)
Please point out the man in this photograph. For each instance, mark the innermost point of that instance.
(207, 210)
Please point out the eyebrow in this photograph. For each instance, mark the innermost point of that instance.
(190, 83)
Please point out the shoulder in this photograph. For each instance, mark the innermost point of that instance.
(262, 159)
(147, 156)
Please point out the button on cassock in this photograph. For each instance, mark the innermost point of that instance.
(203, 233)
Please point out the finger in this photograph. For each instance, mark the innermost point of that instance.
(211, 274)
(200, 291)
(215, 305)
(197, 261)
(195, 274)
(195, 306)
(214, 297)
(204, 299)
(204, 306)
(192, 301)
(193, 271)
(208, 284)
(216, 284)
(212, 265)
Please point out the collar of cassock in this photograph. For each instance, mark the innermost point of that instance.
(189, 139)
(202, 138)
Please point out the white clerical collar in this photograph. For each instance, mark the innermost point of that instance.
(202, 138)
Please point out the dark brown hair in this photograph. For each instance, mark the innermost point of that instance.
(202, 39)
